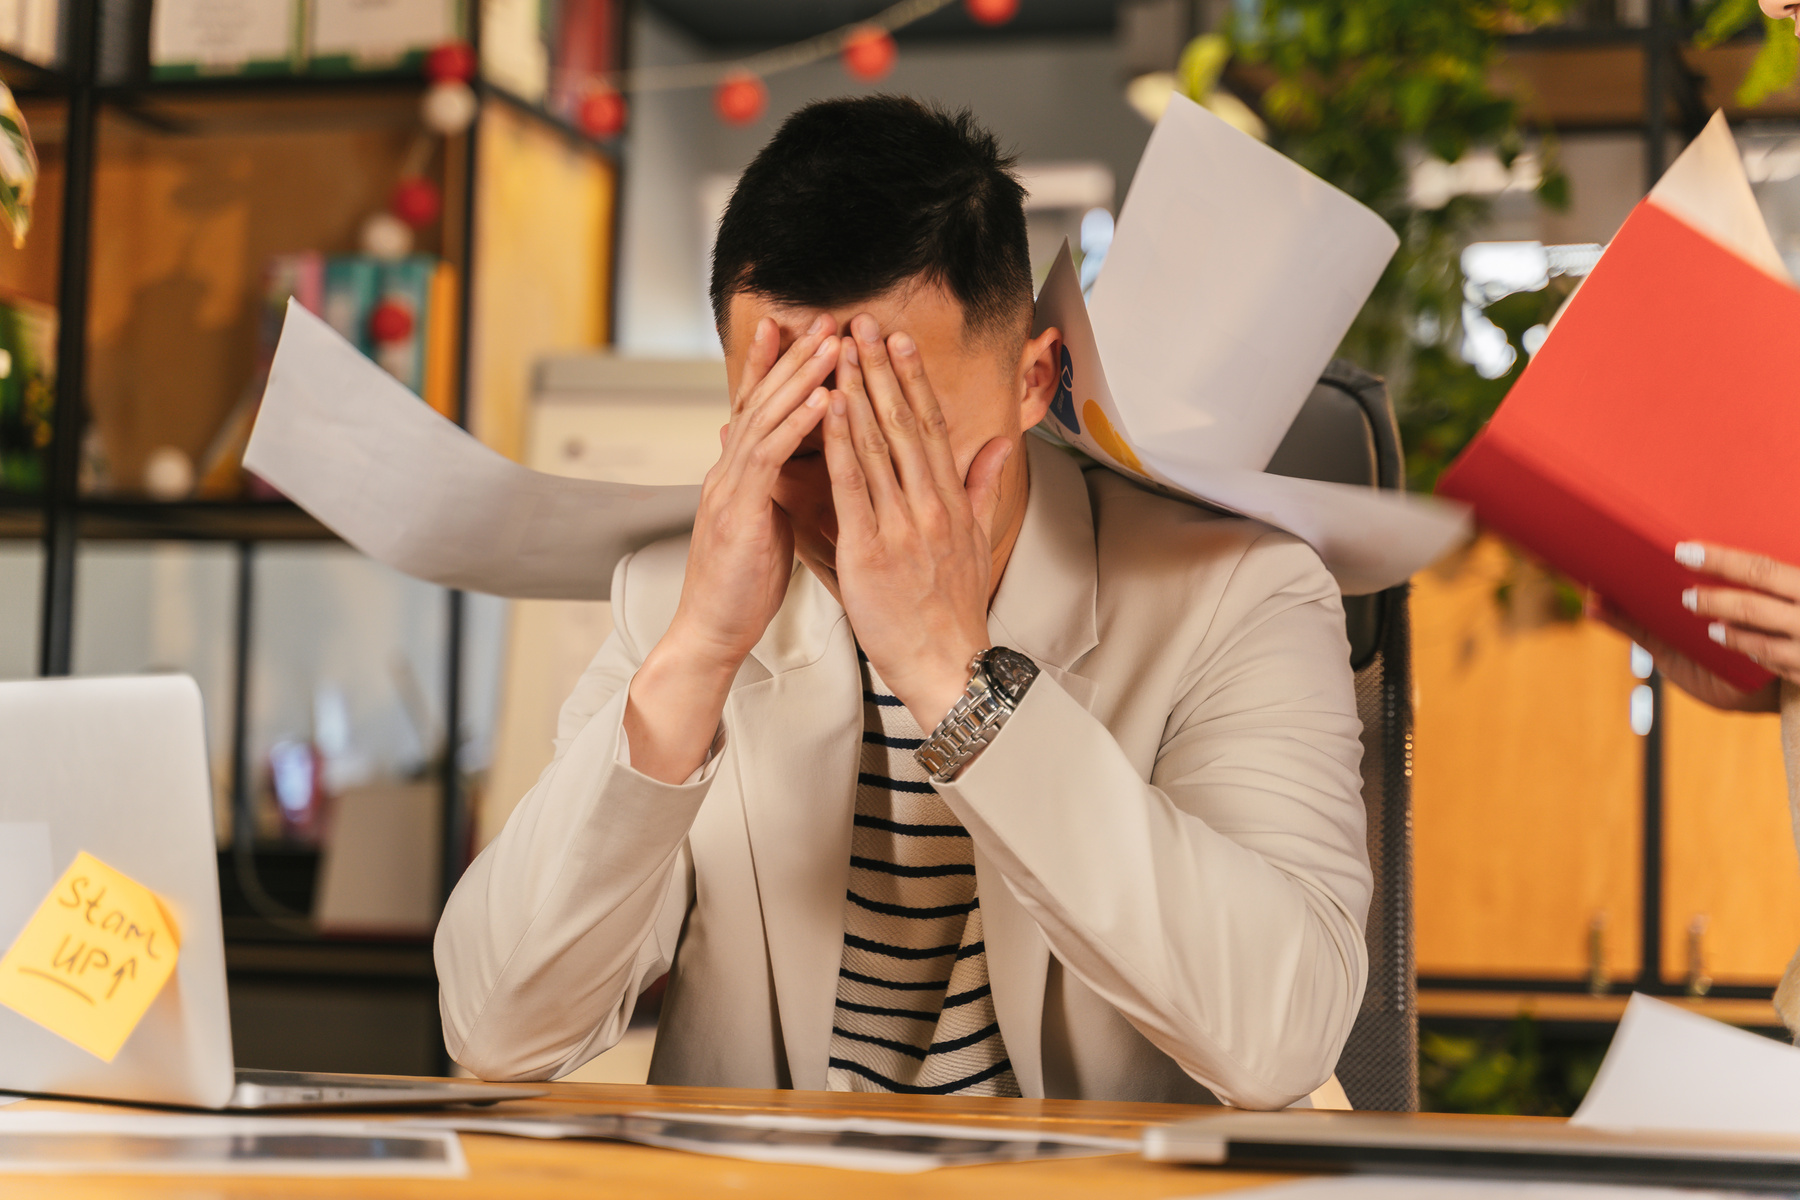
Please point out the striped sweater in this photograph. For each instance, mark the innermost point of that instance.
(914, 1010)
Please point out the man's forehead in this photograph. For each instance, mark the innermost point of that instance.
(921, 308)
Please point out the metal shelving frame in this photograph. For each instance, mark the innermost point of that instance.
(62, 518)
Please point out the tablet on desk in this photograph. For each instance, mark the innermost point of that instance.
(1491, 1147)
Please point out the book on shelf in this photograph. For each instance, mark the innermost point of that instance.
(347, 290)
(584, 49)
(27, 392)
(32, 29)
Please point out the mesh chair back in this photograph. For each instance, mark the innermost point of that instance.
(1346, 433)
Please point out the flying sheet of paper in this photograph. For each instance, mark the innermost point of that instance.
(859, 1144)
(1369, 540)
(1706, 187)
(64, 1143)
(91, 960)
(351, 445)
(1670, 1069)
(1233, 274)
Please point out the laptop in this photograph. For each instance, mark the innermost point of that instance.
(118, 768)
(1517, 1149)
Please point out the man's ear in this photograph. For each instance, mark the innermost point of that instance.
(1039, 370)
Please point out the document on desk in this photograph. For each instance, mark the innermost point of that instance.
(1670, 1069)
(64, 1143)
(856, 1144)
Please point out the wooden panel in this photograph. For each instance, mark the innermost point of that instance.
(183, 229)
(1527, 781)
(543, 264)
(1728, 846)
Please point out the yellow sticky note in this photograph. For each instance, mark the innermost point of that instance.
(93, 957)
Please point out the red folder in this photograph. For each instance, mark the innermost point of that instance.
(1664, 407)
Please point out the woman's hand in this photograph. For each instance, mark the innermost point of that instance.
(1759, 618)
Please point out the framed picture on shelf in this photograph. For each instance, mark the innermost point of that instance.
(347, 36)
(192, 38)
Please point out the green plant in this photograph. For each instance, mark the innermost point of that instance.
(1778, 59)
(1515, 1071)
(1354, 90)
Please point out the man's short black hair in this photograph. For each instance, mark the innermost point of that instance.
(854, 197)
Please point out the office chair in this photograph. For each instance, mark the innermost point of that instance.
(1346, 433)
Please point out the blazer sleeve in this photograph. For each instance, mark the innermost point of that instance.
(1220, 905)
(577, 905)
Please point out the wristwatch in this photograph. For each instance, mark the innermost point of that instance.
(999, 680)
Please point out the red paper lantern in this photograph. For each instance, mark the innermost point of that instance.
(869, 53)
(601, 113)
(454, 61)
(391, 321)
(416, 201)
(741, 98)
(992, 12)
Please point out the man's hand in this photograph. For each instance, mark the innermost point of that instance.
(739, 561)
(914, 559)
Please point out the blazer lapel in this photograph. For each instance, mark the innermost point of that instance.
(797, 736)
(1045, 608)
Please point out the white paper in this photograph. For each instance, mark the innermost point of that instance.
(348, 443)
(858, 1144)
(1707, 189)
(1233, 274)
(1400, 1187)
(1673, 1070)
(1368, 539)
(63, 1143)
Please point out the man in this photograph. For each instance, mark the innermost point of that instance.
(1021, 780)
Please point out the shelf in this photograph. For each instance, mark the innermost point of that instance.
(200, 521)
(193, 107)
(1580, 1008)
(26, 77)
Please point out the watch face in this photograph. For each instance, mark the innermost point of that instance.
(1010, 672)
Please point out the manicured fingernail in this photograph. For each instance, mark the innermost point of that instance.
(1690, 599)
(828, 346)
(850, 352)
(1690, 554)
(837, 404)
(1716, 631)
(901, 344)
(817, 398)
(819, 323)
(866, 328)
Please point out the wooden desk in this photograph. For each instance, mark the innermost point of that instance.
(521, 1169)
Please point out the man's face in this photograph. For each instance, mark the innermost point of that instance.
(977, 378)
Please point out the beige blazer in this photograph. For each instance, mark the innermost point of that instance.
(1169, 836)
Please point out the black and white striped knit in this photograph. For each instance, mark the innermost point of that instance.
(914, 1010)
